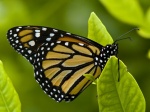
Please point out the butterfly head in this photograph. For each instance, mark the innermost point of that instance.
(114, 49)
(110, 49)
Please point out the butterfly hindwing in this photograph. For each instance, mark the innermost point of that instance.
(63, 64)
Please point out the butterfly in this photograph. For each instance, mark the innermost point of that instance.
(60, 59)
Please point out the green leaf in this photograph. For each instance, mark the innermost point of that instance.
(90, 77)
(97, 31)
(118, 96)
(145, 28)
(148, 54)
(9, 100)
(128, 11)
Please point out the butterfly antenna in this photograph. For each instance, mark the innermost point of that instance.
(119, 38)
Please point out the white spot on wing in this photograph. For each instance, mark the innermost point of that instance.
(17, 41)
(37, 31)
(81, 44)
(48, 48)
(61, 35)
(29, 51)
(31, 43)
(42, 48)
(17, 29)
(55, 30)
(48, 39)
(58, 42)
(68, 33)
(44, 29)
(96, 58)
(52, 44)
(37, 34)
(51, 34)
(54, 89)
(15, 35)
(66, 43)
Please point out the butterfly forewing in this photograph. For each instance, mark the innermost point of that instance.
(27, 39)
(60, 59)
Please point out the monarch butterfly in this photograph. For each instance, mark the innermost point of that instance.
(60, 59)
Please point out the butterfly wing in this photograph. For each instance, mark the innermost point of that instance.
(27, 39)
(59, 58)
(62, 65)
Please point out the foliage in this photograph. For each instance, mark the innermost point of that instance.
(123, 95)
(9, 100)
(97, 31)
(113, 95)
(130, 11)
(119, 96)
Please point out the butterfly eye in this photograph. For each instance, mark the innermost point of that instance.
(60, 59)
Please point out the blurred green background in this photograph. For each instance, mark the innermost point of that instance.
(71, 16)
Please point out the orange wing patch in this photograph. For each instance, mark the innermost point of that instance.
(54, 55)
(26, 38)
(25, 32)
(59, 78)
(69, 83)
(77, 60)
(85, 82)
(48, 63)
(81, 49)
(61, 48)
(51, 72)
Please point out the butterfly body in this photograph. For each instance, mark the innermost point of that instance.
(60, 59)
